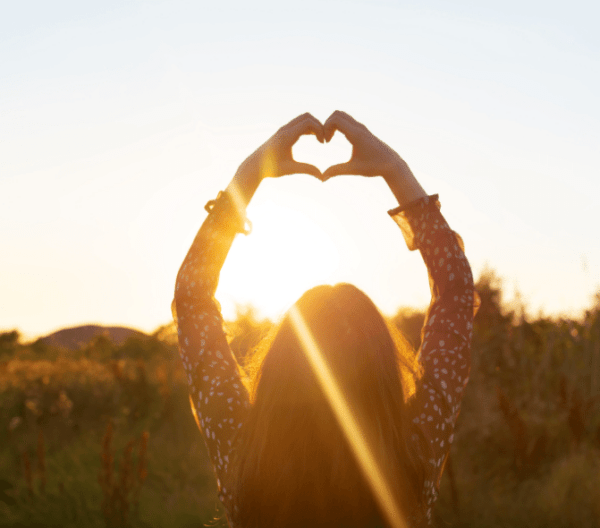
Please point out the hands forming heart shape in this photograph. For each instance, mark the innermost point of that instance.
(370, 155)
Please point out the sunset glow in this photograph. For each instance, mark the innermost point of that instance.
(121, 120)
(287, 253)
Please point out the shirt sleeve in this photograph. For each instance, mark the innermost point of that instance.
(446, 335)
(214, 377)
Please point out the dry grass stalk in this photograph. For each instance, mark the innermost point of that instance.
(28, 473)
(119, 495)
(41, 461)
(575, 418)
(142, 471)
(143, 458)
(578, 410)
(516, 426)
(106, 467)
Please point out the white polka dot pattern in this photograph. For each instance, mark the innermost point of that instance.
(221, 400)
(446, 335)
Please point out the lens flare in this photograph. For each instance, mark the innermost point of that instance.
(348, 423)
(237, 199)
(268, 168)
(239, 204)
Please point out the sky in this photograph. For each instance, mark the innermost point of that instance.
(120, 120)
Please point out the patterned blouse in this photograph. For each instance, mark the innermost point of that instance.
(220, 399)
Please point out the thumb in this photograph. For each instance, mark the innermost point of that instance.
(339, 170)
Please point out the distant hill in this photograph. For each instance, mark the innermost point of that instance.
(78, 336)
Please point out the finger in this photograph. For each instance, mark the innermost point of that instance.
(299, 118)
(348, 168)
(308, 125)
(330, 125)
(341, 121)
(296, 167)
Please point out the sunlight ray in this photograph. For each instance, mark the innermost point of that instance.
(238, 200)
(347, 421)
(268, 166)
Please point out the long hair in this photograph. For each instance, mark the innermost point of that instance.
(294, 465)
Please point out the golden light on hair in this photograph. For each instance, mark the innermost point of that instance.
(347, 421)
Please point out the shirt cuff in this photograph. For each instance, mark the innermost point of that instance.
(225, 211)
(411, 217)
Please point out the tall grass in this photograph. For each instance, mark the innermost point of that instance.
(104, 436)
(105, 442)
(527, 444)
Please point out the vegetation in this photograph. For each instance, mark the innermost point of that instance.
(527, 445)
(103, 436)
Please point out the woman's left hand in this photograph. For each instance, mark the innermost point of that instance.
(274, 158)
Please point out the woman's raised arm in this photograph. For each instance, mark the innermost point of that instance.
(445, 350)
(216, 390)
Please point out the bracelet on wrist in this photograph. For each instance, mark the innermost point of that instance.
(224, 208)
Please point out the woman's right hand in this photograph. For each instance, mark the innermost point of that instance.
(370, 155)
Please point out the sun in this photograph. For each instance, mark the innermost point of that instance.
(289, 251)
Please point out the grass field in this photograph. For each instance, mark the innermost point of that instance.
(104, 437)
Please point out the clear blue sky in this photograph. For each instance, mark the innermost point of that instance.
(119, 120)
